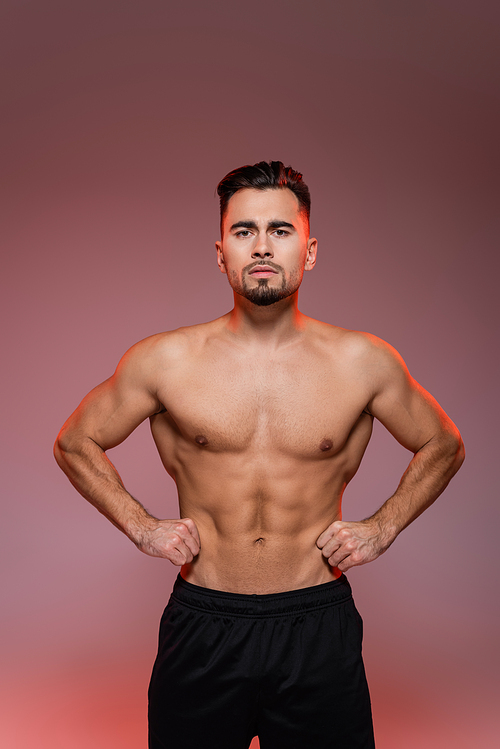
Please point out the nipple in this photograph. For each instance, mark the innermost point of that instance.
(326, 445)
(201, 440)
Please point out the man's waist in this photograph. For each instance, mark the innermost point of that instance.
(260, 571)
(268, 604)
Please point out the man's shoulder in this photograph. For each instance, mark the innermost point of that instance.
(363, 359)
(172, 345)
(352, 345)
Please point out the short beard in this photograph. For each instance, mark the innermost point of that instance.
(263, 295)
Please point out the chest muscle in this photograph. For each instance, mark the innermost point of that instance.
(300, 407)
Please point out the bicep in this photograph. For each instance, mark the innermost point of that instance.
(113, 409)
(408, 411)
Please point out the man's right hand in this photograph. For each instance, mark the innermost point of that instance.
(176, 540)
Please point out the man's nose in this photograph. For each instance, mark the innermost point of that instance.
(263, 247)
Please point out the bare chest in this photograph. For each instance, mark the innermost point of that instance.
(297, 405)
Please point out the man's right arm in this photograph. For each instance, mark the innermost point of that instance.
(105, 417)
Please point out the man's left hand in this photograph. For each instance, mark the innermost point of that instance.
(349, 544)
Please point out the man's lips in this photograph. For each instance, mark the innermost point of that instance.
(262, 271)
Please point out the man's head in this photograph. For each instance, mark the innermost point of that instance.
(265, 175)
(265, 245)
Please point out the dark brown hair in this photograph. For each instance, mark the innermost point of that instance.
(266, 175)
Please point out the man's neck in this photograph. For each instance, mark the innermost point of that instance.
(272, 325)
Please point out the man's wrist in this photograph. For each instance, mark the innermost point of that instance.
(385, 528)
(139, 524)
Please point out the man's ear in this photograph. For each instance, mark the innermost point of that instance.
(220, 257)
(312, 249)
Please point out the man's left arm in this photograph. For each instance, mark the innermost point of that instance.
(417, 421)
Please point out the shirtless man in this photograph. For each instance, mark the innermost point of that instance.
(261, 418)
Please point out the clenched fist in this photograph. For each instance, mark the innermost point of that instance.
(176, 540)
(349, 544)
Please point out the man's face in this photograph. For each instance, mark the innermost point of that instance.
(265, 246)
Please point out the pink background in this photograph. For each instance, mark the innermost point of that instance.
(119, 120)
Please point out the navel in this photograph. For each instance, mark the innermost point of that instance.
(259, 541)
(201, 440)
(326, 445)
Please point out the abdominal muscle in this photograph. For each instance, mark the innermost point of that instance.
(262, 565)
(259, 540)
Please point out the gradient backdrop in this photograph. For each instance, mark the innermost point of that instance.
(119, 119)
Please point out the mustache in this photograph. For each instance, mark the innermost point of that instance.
(251, 266)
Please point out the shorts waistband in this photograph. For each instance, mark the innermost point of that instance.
(270, 604)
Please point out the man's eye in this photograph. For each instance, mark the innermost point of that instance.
(244, 232)
(281, 232)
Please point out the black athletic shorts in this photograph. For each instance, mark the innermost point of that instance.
(286, 667)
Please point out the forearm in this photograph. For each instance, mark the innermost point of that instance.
(428, 474)
(95, 478)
